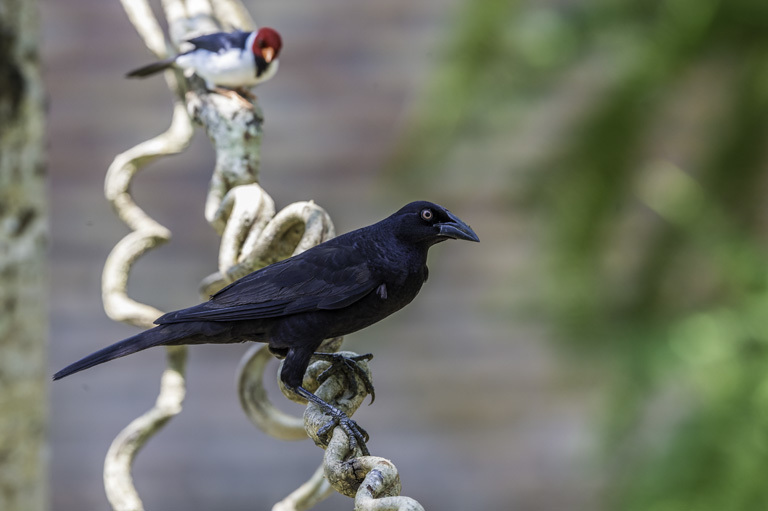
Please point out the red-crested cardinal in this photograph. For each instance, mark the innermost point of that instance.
(228, 59)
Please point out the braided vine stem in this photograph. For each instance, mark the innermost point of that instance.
(184, 20)
(372, 481)
(253, 235)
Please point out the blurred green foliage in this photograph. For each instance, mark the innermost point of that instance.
(653, 204)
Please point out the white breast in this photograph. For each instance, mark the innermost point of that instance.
(232, 68)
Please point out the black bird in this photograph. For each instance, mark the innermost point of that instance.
(333, 289)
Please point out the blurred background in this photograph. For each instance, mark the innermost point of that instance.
(603, 347)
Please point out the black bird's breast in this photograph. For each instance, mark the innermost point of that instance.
(372, 308)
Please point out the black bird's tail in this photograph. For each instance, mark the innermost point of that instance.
(152, 68)
(157, 336)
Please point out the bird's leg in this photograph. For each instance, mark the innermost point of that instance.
(292, 376)
(356, 434)
(278, 353)
(349, 367)
(240, 95)
(246, 93)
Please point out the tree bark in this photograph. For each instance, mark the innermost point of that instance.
(23, 234)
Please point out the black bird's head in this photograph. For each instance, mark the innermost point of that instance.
(427, 223)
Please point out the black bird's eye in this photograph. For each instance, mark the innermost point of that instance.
(426, 214)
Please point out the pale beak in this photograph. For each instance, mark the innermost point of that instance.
(268, 54)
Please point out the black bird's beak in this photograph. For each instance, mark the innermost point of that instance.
(457, 230)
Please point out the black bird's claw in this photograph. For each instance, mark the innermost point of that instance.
(349, 367)
(356, 434)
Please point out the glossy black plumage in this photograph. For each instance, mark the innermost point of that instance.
(329, 276)
(333, 289)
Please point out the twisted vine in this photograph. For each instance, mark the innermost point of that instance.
(372, 481)
(253, 235)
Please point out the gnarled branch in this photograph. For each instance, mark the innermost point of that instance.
(253, 235)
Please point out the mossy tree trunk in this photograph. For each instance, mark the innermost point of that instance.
(23, 231)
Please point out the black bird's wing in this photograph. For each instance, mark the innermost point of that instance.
(220, 41)
(328, 276)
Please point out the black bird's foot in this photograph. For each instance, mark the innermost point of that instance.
(350, 368)
(356, 434)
